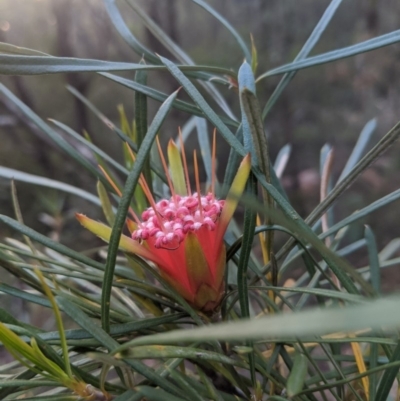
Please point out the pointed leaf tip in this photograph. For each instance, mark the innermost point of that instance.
(246, 77)
(176, 168)
(235, 191)
(126, 244)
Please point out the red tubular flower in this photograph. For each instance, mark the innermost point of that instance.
(183, 235)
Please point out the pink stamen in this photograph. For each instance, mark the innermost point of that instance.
(185, 168)
(196, 174)
(164, 164)
(169, 220)
(150, 198)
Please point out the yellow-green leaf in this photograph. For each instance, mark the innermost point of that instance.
(105, 203)
(297, 376)
(126, 244)
(176, 169)
(232, 199)
(254, 56)
(125, 125)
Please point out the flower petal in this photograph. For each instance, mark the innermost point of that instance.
(176, 169)
(126, 244)
(232, 199)
(178, 286)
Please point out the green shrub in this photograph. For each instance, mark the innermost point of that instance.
(220, 312)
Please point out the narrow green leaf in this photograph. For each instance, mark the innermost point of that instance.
(129, 395)
(388, 377)
(53, 135)
(169, 351)
(153, 394)
(18, 215)
(115, 329)
(105, 204)
(248, 235)
(11, 49)
(37, 65)
(7, 318)
(176, 169)
(316, 322)
(277, 184)
(160, 96)
(83, 320)
(389, 139)
(295, 381)
(59, 323)
(320, 292)
(24, 295)
(141, 122)
(99, 334)
(373, 259)
(374, 268)
(232, 198)
(161, 35)
(57, 397)
(373, 363)
(206, 109)
(290, 219)
(211, 390)
(364, 163)
(25, 375)
(86, 141)
(359, 148)
(126, 34)
(308, 261)
(282, 159)
(114, 128)
(227, 25)
(246, 82)
(28, 383)
(254, 56)
(392, 197)
(182, 381)
(126, 127)
(363, 47)
(181, 56)
(31, 356)
(233, 160)
(251, 109)
(129, 189)
(205, 147)
(64, 250)
(48, 183)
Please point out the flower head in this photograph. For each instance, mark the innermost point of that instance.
(183, 235)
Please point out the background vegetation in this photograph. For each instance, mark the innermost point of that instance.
(331, 103)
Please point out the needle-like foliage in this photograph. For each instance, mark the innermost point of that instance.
(185, 301)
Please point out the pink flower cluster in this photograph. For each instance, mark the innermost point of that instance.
(170, 220)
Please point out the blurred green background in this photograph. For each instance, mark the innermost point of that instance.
(325, 104)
